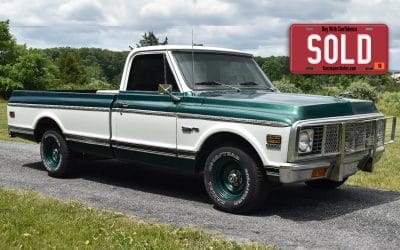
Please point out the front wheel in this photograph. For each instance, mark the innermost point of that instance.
(234, 180)
(325, 184)
(55, 154)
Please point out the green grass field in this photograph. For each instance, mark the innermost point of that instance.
(30, 221)
(386, 173)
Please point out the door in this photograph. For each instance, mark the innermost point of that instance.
(144, 121)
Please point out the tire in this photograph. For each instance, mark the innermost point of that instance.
(234, 180)
(325, 184)
(56, 156)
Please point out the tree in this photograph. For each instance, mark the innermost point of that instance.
(8, 46)
(149, 39)
(33, 70)
(71, 69)
(273, 67)
(7, 85)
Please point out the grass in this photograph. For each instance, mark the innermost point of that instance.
(3, 120)
(386, 173)
(29, 220)
(3, 123)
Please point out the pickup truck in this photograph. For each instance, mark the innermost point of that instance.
(208, 111)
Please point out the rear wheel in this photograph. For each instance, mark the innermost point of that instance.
(234, 180)
(325, 184)
(55, 154)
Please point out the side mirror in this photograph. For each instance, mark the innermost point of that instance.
(166, 89)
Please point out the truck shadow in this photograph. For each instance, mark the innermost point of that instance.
(295, 202)
(299, 202)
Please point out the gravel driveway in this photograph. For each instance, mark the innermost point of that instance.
(296, 216)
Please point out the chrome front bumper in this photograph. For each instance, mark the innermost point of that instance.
(337, 167)
(299, 172)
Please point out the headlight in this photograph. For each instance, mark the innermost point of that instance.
(306, 140)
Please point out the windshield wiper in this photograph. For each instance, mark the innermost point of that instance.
(256, 84)
(249, 83)
(217, 83)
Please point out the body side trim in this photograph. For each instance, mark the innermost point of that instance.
(202, 117)
(143, 111)
(88, 140)
(232, 119)
(21, 130)
(48, 106)
(154, 150)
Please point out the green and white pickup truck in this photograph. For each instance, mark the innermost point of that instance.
(210, 111)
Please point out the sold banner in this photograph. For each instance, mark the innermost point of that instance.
(339, 48)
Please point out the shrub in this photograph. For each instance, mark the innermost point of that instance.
(7, 85)
(286, 87)
(93, 85)
(362, 90)
(98, 84)
(389, 103)
(329, 91)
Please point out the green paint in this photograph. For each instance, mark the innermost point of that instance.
(270, 106)
(92, 149)
(144, 100)
(156, 160)
(62, 98)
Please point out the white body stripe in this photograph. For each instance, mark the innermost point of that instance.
(76, 122)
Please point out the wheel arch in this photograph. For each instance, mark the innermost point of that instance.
(223, 138)
(43, 123)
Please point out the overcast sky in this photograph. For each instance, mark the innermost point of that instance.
(258, 26)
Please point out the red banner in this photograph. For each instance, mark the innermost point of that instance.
(338, 48)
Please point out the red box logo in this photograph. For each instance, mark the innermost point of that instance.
(338, 48)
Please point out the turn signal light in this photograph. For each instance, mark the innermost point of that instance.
(274, 139)
(318, 172)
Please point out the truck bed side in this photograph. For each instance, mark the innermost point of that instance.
(83, 118)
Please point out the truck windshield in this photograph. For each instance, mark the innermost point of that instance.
(221, 71)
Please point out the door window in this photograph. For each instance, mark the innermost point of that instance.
(148, 71)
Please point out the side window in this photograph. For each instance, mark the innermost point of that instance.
(147, 71)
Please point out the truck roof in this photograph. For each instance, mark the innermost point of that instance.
(189, 48)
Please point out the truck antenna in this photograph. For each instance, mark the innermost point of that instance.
(192, 62)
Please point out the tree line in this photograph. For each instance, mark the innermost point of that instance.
(93, 68)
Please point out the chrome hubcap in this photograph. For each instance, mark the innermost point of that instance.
(235, 178)
(55, 153)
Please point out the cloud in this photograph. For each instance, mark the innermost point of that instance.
(258, 26)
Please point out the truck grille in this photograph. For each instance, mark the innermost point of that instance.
(358, 136)
(332, 139)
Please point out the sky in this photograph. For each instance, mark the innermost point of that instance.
(257, 26)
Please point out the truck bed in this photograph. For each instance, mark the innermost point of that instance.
(83, 116)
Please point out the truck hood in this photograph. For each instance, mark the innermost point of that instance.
(281, 107)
